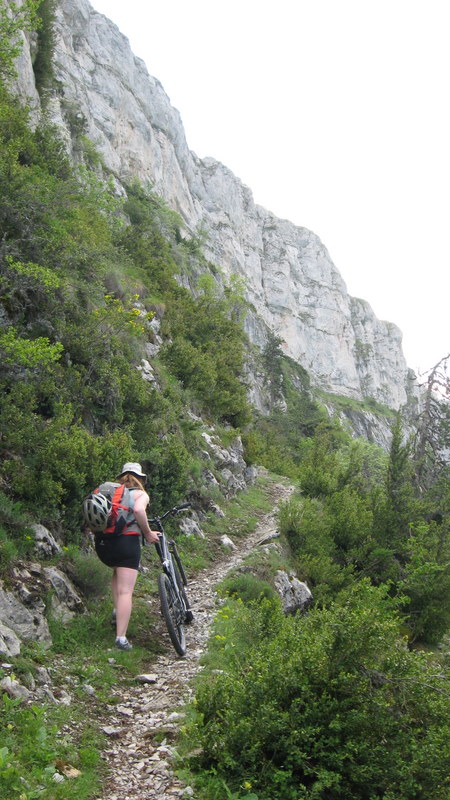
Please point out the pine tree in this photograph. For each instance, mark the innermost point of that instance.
(432, 440)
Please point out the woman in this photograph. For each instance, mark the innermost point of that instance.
(123, 552)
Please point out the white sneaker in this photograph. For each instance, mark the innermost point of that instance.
(123, 644)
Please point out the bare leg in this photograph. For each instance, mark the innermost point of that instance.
(123, 582)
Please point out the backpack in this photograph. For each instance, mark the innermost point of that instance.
(109, 509)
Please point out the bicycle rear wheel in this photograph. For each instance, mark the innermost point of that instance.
(173, 613)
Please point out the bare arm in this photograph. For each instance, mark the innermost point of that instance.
(140, 513)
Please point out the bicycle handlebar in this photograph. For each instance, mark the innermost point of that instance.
(171, 512)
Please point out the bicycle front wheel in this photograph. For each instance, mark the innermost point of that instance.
(179, 564)
(173, 613)
(188, 617)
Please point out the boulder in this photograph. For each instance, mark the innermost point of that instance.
(23, 605)
(146, 371)
(14, 689)
(232, 483)
(250, 474)
(227, 543)
(217, 511)
(65, 600)
(209, 478)
(295, 595)
(28, 623)
(191, 528)
(230, 457)
(9, 641)
(46, 545)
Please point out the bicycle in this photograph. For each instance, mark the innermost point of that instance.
(175, 606)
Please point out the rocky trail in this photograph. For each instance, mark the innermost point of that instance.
(142, 726)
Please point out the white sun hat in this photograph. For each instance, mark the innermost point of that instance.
(134, 468)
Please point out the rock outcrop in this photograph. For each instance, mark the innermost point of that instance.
(35, 591)
(105, 93)
(295, 595)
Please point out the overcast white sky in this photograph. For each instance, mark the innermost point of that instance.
(336, 114)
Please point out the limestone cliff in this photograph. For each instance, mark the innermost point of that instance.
(291, 283)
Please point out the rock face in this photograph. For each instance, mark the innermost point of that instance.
(106, 94)
(22, 618)
(23, 607)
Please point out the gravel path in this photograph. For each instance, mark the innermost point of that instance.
(139, 767)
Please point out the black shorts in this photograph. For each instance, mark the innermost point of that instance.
(119, 551)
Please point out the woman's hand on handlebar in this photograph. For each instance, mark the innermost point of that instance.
(152, 537)
(141, 518)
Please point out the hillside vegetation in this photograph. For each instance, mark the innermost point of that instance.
(347, 702)
(350, 701)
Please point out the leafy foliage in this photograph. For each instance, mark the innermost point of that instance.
(43, 65)
(14, 18)
(272, 358)
(75, 275)
(247, 587)
(207, 354)
(328, 705)
(432, 437)
(358, 516)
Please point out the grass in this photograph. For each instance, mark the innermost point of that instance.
(367, 404)
(39, 742)
(241, 513)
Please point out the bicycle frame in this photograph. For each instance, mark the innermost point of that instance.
(166, 548)
(165, 555)
(174, 602)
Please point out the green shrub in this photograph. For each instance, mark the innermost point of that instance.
(351, 523)
(43, 62)
(16, 538)
(247, 587)
(327, 705)
(426, 593)
(324, 576)
(425, 584)
(307, 525)
(8, 549)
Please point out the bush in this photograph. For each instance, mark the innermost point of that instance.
(8, 549)
(307, 525)
(247, 587)
(426, 593)
(325, 577)
(351, 524)
(16, 538)
(329, 705)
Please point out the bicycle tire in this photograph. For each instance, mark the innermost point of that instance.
(179, 564)
(172, 612)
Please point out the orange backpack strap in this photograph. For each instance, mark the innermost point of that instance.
(117, 520)
(117, 497)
